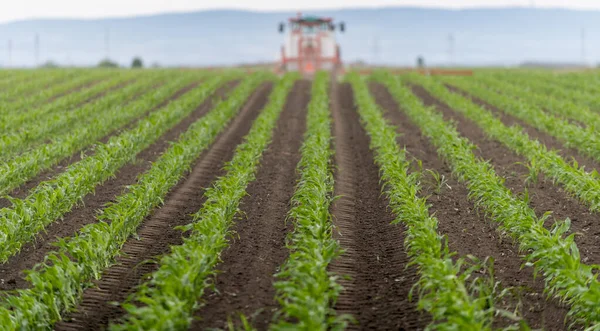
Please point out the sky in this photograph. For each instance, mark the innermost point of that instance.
(27, 9)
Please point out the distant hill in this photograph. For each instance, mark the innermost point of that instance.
(394, 36)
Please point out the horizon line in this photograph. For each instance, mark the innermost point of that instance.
(266, 11)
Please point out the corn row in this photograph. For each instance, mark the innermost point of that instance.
(22, 168)
(57, 284)
(306, 290)
(561, 107)
(552, 254)
(447, 293)
(52, 199)
(585, 140)
(169, 298)
(16, 120)
(20, 141)
(555, 90)
(35, 88)
(39, 94)
(575, 180)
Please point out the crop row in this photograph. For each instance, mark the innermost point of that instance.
(544, 84)
(44, 129)
(589, 83)
(34, 87)
(39, 95)
(306, 290)
(552, 254)
(13, 78)
(52, 199)
(585, 140)
(168, 299)
(18, 120)
(445, 288)
(22, 168)
(559, 106)
(575, 180)
(57, 284)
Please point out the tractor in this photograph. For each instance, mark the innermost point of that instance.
(310, 45)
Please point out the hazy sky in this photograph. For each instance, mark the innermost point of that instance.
(11, 10)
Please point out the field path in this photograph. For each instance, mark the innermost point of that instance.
(377, 292)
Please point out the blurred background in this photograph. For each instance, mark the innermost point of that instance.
(184, 33)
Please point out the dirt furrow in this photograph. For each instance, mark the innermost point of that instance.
(377, 294)
(468, 231)
(545, 138)
(87, 86)
(157, 232)
(245, 280)
(543, 194)
(34, 252)
(24, 190)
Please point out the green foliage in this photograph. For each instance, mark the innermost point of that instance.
(40, 89)
(57, 284)
(168, 300)
(306, 290)
(108, 63)
(545, 97)
(585, 140)
(35, 127)
(448, 290)
(574, 179)
(137, 63)
(549, 252)
(580, 88)
(16, 119)
(52, 199)
(18, 170)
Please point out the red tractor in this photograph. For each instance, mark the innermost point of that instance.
(310, 45)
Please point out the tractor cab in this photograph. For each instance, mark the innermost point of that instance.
(310, 44)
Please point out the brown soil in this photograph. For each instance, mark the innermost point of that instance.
(157, 233)
(245, 280)
(545, 138)
(378, 289)
(543, 194)
(546, 196)
(467, 230)
(24, 190)
(85, 86)
(83, 214)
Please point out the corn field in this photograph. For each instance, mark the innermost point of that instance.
(224, 199)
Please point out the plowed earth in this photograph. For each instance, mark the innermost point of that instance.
(379, 279)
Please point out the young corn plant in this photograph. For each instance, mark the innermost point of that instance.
(555, 90)
(34, 132)
(306, 290)
(46, 86)
(583, 185)
(449, 291)
(52, 199)
(585, 140)
(57, 284)
(16, 120)
(551, 253)
(561, 107)
(168, 300)
(16, 171)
